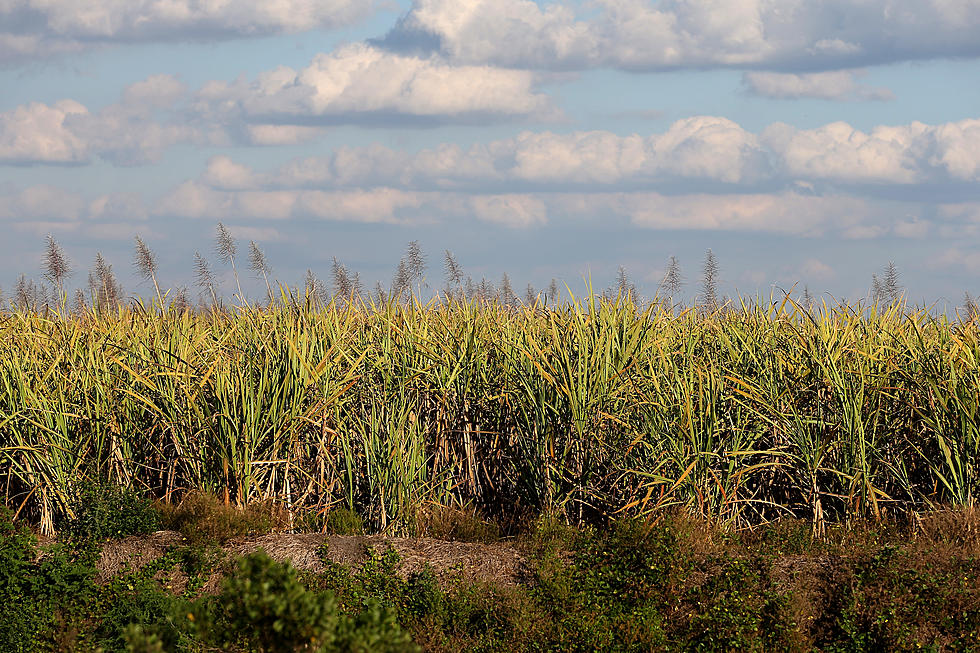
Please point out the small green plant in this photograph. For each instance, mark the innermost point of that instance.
(343, 521)
(103, 510)
(738, 612)
(140, 641)
(264, 606)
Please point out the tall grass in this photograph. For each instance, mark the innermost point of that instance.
(590, 409)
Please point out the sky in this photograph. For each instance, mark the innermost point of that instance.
(805, 142)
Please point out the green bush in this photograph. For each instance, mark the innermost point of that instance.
(36, 586)
(140, 641)
(103, 510)
(263, 606)
(138, 600)
(738, 612)
(342, 521)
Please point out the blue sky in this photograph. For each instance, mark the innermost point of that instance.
(803, 142)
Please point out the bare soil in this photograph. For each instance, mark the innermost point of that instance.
(500, 563)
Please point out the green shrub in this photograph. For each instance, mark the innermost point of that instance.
(36, 586)
(140, 641)
(343, 521)
(139, 601)
(263, 606)
(737, 611)
(103, 510)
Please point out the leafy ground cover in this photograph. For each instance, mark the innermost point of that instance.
(676, 583)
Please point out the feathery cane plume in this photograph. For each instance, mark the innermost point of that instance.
(145, 262)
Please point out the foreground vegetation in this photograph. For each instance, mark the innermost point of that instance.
(592, 410)
(674, 585)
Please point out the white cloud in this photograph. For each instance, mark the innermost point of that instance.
(195, 200)
(958, 220)
(906, 154)
(281, 134)
(955, 148)
(913, 227)
(40, 28)
(122, 207)
(126, 132)
(43, 209)
(649, 35)
(702, 152)
(832, 85)
(36, 133)
(703, 148)
(710, 148)
(785, 213)
(225, 174)
(361, 83)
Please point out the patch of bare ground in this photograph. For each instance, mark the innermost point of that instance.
(133, 553)
(499, 563)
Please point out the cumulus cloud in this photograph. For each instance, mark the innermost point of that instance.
(362, 83)
(908, 154)
(127, 132)
(366, 205)
(36, 133)
(817, 270)
(784, 212)
(704, 148)
(958, 219)
(656, 35)
(121, 207)
(280, 134)
(355, 84)
(832, 85)
(43, 208)
(702, 153)
(41, 28)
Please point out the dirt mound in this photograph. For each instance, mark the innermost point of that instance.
(500, 563)
(133, 553)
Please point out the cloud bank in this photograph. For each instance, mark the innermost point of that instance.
(31, 29)
(705, 153)
(644, 35)
(359, 83)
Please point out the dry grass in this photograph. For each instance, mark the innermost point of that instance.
(203, 518)
(954, 528)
